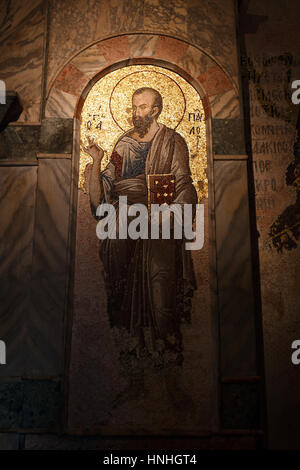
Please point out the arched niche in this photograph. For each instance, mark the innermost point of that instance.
(231, 328)
(121, 391)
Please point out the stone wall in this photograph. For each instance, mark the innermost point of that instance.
(50, 51)
(271, 61)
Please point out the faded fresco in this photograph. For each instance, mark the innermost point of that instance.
(143, 136)
(271, 70)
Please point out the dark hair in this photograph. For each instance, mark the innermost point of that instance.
(158, 102)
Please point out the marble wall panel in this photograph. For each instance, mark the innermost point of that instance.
(195, 62)
(19, 142)
(142, 45)
(211, 25)
(18, 196)
(234, 270)
(90, 61)
(126, 15)
(71, 80)
(170, 49)
(49, 267)
(22, 27)
(225, 105)
(228, 137)
(41, 404)
(56, 136)
(11, 404)
(115, 49)
(32, 297)
(212, 11)
(29, 404)
(160, 14)
(60, 104)
(241, 407)
(215, 81)
(10, 441)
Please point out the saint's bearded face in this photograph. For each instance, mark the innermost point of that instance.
(144, 112)
(142, 124)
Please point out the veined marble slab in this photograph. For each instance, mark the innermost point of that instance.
(225, 105)
(60, 104)
(90, 61)
(75, 24)
(195, 61)
(49, 267)
(234, 269)
(18, 197)
(161, 15)
(21, 45)
(142, 45)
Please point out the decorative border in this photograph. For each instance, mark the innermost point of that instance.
(70, 87)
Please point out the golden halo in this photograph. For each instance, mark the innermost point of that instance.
(98, 122)
(120, 103)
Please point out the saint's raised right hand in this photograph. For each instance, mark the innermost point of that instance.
(94, 150)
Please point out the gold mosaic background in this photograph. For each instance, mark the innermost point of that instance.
(107, 114)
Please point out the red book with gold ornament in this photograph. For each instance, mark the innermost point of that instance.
(161, 189)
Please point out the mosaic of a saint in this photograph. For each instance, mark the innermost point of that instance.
(149, 282)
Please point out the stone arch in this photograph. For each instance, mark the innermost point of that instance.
(227, 201)
(219, 91)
